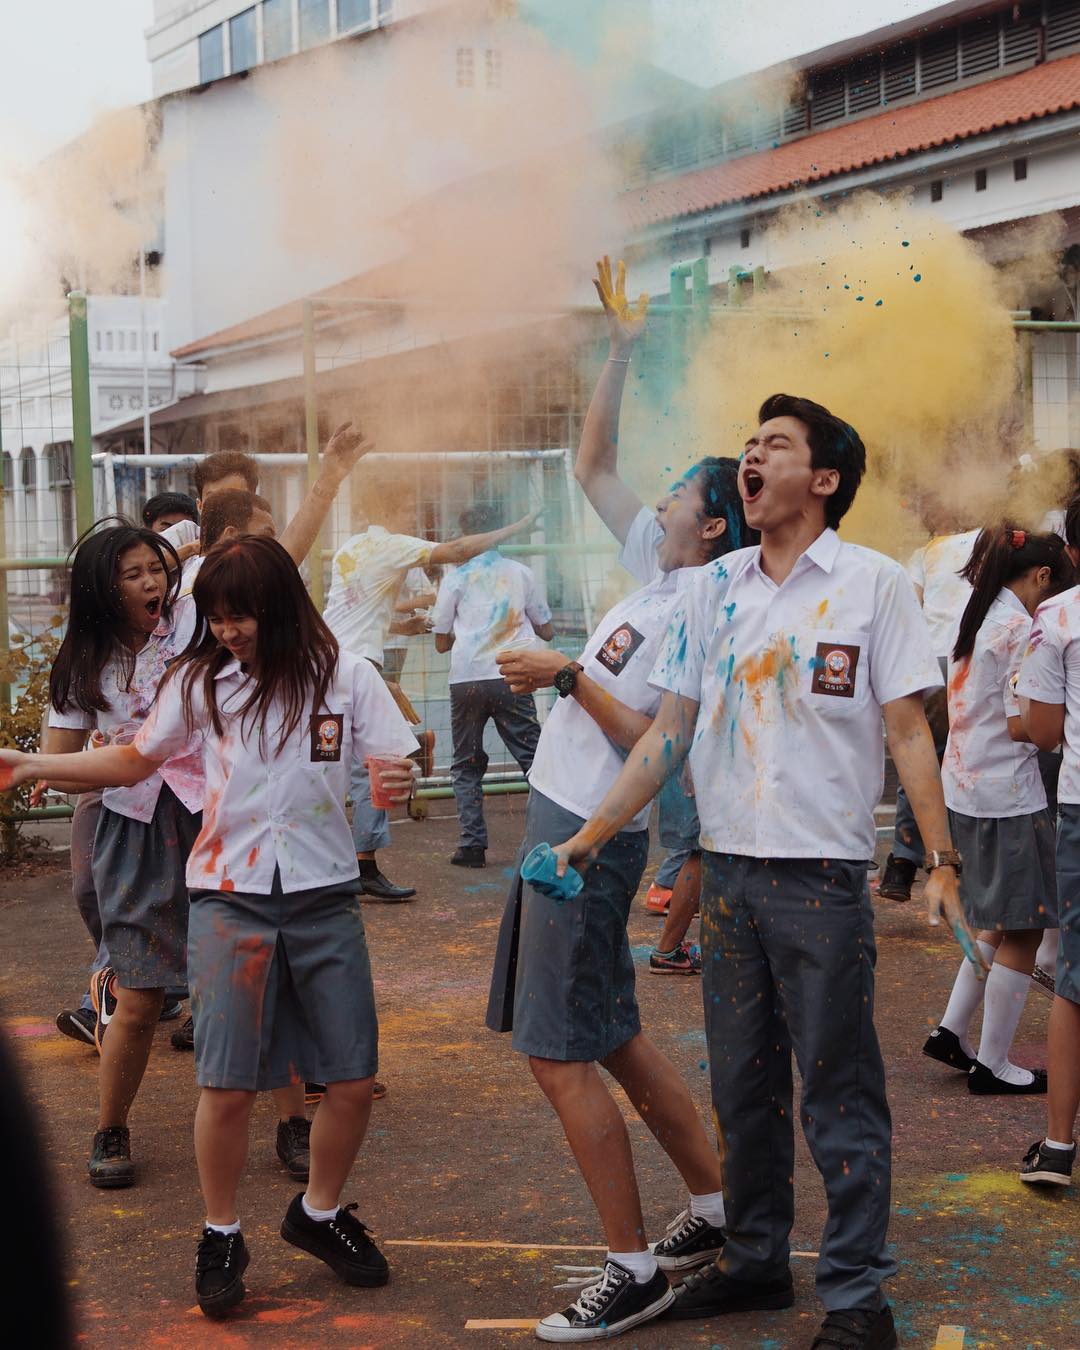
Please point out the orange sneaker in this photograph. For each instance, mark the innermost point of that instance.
(658, 900)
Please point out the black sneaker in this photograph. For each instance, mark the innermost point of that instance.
(343, 1243)
(220, 1263)
(294, 1146)
(708, 1292)
(78, 1023)
(469, 855)
(183, 1038)
(847, 1328)
(690, 1242)
(1044, 980)
(170, 1010)
(898, 879)
(944, 1046)
(1044, 1166)
(110, 1164)
(983, 1083)
(613, 1301)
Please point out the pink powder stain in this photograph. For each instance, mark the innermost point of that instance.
(31, 1029)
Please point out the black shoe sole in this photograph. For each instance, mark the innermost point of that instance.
(114, 1182)
(684, 1265)
(294, 1174)
(461, 862)
(217, 1305)
(369, 897)
(1046, 1179)
(74, 1029)
(997, 1087)
(357, 1277)
(896, 893)
(681, 1312)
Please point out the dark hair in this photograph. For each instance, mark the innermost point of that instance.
(97, 623)
(169, 504)
(480, 518)
(1072, 522)
(834, 444)
(233, 507)
(220, 465)
(296, 654)
(717, 480)
(1000, 555)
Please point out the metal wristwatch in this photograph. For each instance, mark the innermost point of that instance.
(948, 857)
(566, 678)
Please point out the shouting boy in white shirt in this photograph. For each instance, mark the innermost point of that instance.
(781, 661)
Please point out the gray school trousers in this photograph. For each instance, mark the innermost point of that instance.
(788, 952)
(473, 703)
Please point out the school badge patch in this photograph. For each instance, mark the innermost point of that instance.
(326, 733)
(619, 647)
(834, 670)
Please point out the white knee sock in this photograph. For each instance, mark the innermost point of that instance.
(967, 994)
(709, 1207)
(1046, 956)
(642, 1265)
(1006, 993)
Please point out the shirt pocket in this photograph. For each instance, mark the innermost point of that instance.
(837, 680)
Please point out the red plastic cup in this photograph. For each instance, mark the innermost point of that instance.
(380, 798)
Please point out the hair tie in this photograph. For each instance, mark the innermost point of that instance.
(1017, 538)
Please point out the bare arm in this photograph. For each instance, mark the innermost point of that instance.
(1043, 722)
(458, 551)
(1017, 732)
(111, 766)
(342, 453)
(408, 604)
(443, 641)
(544, 631)
(596, 463)
(62, 741)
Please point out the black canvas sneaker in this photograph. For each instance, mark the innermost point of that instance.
(852, 1328)
(343, 1243)
(611, 1302)
(708, 1292)
(220, 1263)
(294, 1146)
(1044, 980)
(110, 1164)
(689, 1242)
(78, 1023)
(1044, 1166)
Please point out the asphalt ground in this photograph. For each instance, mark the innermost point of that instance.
(465, 1177)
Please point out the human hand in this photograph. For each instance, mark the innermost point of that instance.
(38, 791)
(344, 449)
(16, 768)
(526, 669)
(577, 852)
(412, 625)
(625, 324)
(185, 551)
(397, 776)
(942, 894)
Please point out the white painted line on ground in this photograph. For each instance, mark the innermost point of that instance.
(949, 1338)
(514, 1246)
(500, 1324)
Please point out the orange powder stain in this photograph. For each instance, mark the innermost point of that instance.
(227, 884)
(253, 855)
(822, 608)
(253, 960)
(215, 856)
(959, 677)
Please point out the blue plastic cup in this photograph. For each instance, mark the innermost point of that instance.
(538, 870)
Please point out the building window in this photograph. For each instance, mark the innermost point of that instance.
(1019, 170)
(385, 6)
(277, 29)
(314, 22)
(212, 55)
(980, 180)
(935, 190)
(243, 45)
(466, 68)
(493, 68)
(744, 238)
(353, 14)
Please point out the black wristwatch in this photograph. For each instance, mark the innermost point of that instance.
(566, 678)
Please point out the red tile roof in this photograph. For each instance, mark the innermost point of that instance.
(1004, 102)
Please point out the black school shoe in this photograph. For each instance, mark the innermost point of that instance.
(982, 1083)
(614, 1302)
(78, 1023)
(708, 1292)
(294, 1146)
(183, 1038)
(374, 886)
(944, 1046)
(847, 1328)
(220, 1263)
(690, 1242)
(343, 1243)
(469, 855)
(1044, 1166)
(110, 1164)
(898, 879)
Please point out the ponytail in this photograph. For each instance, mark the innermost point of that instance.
(1000, 555)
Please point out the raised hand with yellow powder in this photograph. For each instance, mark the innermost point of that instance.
(626, 323)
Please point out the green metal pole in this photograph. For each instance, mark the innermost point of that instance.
(311, 437)
(80, 412)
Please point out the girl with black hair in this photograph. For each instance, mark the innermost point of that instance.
(120, 639)
(997, 804)
(277, 960)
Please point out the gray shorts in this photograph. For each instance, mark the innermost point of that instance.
(1068, 871)
(138, 870)
(1009, 879)
(679, 828)
(281, 988)
(564, 977)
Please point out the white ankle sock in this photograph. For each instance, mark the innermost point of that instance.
(1046, 956)
(967, 994)
(1064, 1148)
(319, 1215)
(709, 1207)
(225, 1228)
(1006, 993)
(642, 1265)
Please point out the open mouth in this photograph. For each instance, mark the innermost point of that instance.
(153, 607)
(752, 485)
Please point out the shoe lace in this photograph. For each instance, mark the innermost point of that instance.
(684, 1225)
(354, 1233)
(214, 1251)
(598, 1285)
(114, 1144)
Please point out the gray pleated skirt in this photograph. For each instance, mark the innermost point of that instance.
(1009, 879)
(281, 988)
(563, 981)
(138, 869)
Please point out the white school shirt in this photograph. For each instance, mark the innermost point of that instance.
(286, 810)
(984, 773)
(1050, 673)
(488, 603)
(576, 764)
(788, 755)
(935, 567)
(366, 575)
(128, 706)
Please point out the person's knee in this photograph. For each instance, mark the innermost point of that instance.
(227, 1103)
(138, 1009)
(557, 1077)
(351, 1094)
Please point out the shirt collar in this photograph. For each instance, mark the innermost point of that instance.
(822, 552)
(231, 667)
(1010, 600)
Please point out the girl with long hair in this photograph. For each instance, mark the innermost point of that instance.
(277, 959)
(997, 804)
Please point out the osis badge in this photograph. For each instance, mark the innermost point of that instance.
(619, 647)
(835, 665)
(326, 734)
